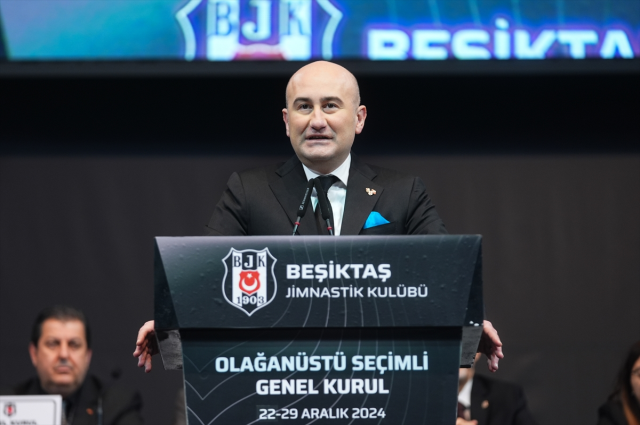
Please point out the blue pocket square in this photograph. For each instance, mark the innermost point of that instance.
(375, 219)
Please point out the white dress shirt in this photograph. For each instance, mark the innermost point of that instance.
(337, 193)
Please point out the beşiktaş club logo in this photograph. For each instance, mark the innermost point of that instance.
(225, 30)
(9, 409)
(249, 281)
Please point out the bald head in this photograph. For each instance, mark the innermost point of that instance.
(323, 115)
(321, 72)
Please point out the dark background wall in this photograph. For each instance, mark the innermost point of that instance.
(547, 168)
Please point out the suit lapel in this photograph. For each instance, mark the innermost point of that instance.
(288, 185)
(88, 399)
(479, 393)
(359, 204)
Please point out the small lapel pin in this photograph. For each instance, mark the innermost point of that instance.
(371, 192)
(485, 404)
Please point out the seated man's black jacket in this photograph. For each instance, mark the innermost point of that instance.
(496, 402)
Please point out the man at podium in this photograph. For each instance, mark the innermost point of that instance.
(322, 116)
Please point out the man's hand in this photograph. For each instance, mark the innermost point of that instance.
(146, 345)
(461, 421)
(490, 345)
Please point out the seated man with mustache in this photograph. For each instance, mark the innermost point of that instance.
(60, 351)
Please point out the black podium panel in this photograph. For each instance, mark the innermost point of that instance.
(301, 330)
(345, 281)
(337, 376)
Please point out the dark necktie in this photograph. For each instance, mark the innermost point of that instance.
(66, 407)
(326, 182)
(463, 412)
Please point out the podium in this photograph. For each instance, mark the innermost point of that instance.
(317, 329)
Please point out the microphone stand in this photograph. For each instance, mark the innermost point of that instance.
(303, 205)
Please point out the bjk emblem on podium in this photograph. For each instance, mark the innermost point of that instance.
(249, 281)
(9, 409)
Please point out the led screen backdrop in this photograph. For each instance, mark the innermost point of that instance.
(226, 30)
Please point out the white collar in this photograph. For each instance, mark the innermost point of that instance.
(464, 396)
(342, 172)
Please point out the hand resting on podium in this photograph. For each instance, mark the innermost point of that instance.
(490, 345)
(147, 346)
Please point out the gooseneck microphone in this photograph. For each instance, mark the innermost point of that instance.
(303, 205)
(323, 203)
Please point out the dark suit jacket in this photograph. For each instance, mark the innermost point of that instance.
(265, 201)
(612, 412)
(498, 403)
(119, 405)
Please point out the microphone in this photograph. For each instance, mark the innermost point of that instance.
(323, 202)
(303, 205)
